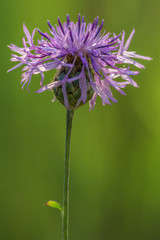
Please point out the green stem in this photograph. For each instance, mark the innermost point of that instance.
(65, 212)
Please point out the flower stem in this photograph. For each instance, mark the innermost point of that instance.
(65, 212)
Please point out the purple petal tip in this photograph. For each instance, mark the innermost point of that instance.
(49, 24)
(68, 19)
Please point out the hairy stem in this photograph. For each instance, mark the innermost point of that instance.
(65, 212)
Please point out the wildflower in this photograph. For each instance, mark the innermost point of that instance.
(87, 62)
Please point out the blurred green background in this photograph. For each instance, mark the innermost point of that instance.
(115, 150)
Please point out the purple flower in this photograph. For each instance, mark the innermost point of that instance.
(87, 61)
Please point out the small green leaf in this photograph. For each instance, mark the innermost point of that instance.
(53, 204)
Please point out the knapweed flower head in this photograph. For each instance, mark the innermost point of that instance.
(88, 62)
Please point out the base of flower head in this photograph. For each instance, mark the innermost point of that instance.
(72, 90)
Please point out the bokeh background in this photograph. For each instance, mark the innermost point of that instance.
(115, 150)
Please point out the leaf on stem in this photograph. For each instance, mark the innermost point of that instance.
(53, 204)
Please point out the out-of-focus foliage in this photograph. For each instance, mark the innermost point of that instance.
(115, 156)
